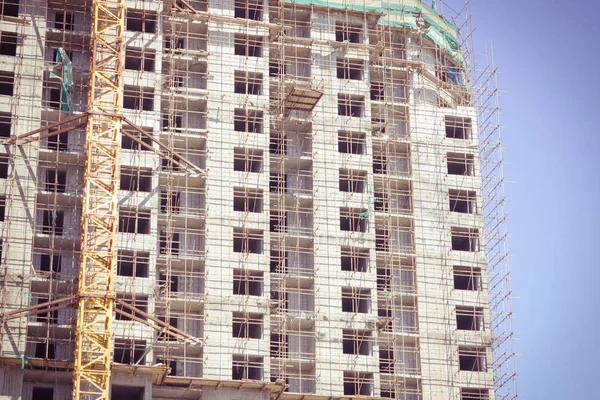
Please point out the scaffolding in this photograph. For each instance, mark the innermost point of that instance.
(299, 180)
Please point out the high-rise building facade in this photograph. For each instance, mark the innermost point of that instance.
(310, 202)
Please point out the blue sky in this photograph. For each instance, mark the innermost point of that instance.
(548, 56)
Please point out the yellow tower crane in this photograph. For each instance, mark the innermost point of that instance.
(96, 296)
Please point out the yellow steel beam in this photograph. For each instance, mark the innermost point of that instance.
(95, 306)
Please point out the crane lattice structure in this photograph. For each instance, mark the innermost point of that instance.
(91, 373)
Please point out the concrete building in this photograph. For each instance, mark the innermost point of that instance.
(319, 208)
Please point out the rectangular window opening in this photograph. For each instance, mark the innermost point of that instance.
(7, 83)
(50, 263)
(474, 394)
(248, 46)
(465, 239)
(248, 82)
(42, 393)
(461, 164)
(247, 325)
(472, 359)
(138, 59)
(469, 318)
(356, 342)
(348, 33)
(354, 259)
(8, 43)
(352, 181)
(53, 222)
(141, 21)
(129, 351)
(247, 241)
(458, 127)
(467, 278)
(133, 263)
(352, 142)
(355, 300)
(56, 181)
(134, 221)
(248, 121)
(247, 160)
(10, 8)
(246, 367)
(248, 9)
(354, 219)
(350, 69)
(136, 179)
(139, 302)
(45, 350)
(351, 106)
(248, 200)
(463, 201)
(138, 98)
(358, 383)
(247, 283)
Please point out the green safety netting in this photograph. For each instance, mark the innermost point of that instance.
(403, 15)
(66, 79)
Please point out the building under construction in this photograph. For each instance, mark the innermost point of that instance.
(250, 199)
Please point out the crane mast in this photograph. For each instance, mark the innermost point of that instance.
(96, 296)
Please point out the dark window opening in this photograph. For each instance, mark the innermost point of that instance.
(248, 82)
(2, 208)
(386, 361)
(352, 142)
(247, 283)
(247, 368)
(277, 261)
(64, 20)
(463, 201)
(355, 259)
(248, 326)
(350, 69)
(3, 167)
(458, 128)
(50, 263)
(169, 244)
(474, 394)
(170, 202)
(469, 318)
(248, 200)
(7, 83)
(129, 351)
(44, 350)
(354, 220)
(247, 160)
(172, 282)
(141, 21)
(247, 241)
(358, 383)
(461, 164)
(356, 300)
(348, 33)
(377, 91)
(248, 46)
(352, 181)
(136, 179)
(126, 392)
(139, 302)
(50, 317)
(351, 106)
(8, 43)
(56, 181)
(133, 263)
(356, 342)
(42, 393)
(465, 239)
(10, 8)
(248, 10)
(134, 221)
(128, 143)
(138, 59)
(248, 121)
(467, 278)
(472, 359)
(136, 98)
(53, 222)
(5, 124)
(58, 142)
(278, 345)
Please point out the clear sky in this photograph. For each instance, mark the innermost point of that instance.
(548, 53)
